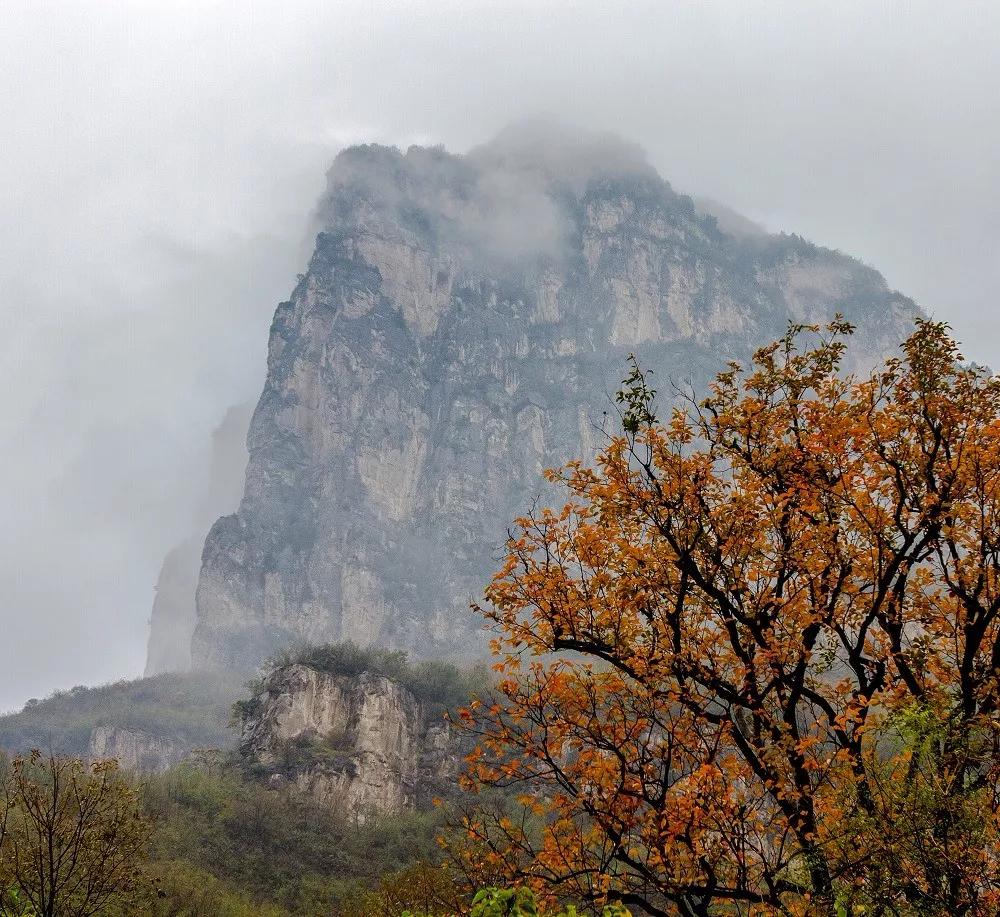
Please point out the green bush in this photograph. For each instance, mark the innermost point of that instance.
(182, 889)
(440, 684)
(519, 902)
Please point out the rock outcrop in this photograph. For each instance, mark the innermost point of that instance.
(136, 750)
(173, 617)
(460, 327)
(356, 744)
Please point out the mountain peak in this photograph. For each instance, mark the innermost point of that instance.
(458, 329)
(562, 153)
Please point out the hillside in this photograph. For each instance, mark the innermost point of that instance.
(179, 712)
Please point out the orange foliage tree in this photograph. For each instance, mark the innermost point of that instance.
(752, 665)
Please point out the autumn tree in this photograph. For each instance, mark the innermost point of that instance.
(751, 667)
(421, 890)
(71, 837)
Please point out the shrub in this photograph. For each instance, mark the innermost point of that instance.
(440, 684)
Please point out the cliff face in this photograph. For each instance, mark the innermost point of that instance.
(356, 744)
(135, 749)
(173, 618)
(459, 328)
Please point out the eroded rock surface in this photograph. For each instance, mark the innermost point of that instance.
(136, 750)
(461, 326)
(356, 744)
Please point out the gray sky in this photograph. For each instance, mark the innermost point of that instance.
(158, 162)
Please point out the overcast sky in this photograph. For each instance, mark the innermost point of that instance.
(158, 163)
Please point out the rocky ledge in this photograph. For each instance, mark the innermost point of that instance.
(136, 750)
(357, 744)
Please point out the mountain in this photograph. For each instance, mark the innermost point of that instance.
(173, 617)
(461, 325)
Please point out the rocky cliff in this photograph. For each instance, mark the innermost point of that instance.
(135, 749)
(357, 744)
(460, 327)
(173, 616)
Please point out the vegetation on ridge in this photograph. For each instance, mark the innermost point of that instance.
(193, 707)
(442, 685)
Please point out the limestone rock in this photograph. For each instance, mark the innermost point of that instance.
(356, 744)
(136, 750)
(461, 326)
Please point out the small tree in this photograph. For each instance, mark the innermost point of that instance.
(73, 837)
(421, 890)
(753, 666)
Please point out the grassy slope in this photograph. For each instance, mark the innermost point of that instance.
(194, 708)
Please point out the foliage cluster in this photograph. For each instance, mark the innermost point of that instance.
(511, 902)
(520, 902)
(515, 902)
(310, 750)
(753, 665)
(266, 848)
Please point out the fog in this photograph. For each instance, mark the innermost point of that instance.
(160, 162)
